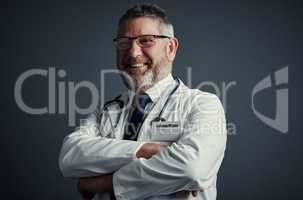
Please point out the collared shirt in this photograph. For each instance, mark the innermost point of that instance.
(157, 90)
(194, 132)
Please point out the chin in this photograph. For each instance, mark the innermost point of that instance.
(147, 80)
(141, 82)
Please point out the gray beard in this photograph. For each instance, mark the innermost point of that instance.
(147, 81)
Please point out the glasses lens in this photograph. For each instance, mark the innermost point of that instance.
(123, 43)
(146, 41)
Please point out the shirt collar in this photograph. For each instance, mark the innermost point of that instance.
(154, 92)
(157, 90)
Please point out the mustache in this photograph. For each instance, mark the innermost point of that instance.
(136, 60)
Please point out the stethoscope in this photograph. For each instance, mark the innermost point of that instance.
(118, 101)
(159, 118)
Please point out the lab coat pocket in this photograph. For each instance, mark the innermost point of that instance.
(165, 131)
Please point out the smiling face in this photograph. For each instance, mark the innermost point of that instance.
(143, 67)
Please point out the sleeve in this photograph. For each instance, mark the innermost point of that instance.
(191, 163)
(86, 152)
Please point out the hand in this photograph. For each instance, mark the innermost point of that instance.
(149, 149)
(185, 193)
(84, 194)
(91, 185)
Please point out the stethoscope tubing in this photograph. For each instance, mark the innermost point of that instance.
(157, 119)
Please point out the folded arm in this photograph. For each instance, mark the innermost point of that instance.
(86, 153)
(189, 164)
(89, 186)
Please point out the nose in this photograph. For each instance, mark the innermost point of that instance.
(134, 50)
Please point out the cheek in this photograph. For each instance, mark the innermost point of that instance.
(119, 59)
(154, 55)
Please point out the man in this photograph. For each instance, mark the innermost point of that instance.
(159, 140)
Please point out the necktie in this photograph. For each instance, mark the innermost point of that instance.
(136, 119)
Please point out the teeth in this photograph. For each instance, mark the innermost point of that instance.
(137, 65)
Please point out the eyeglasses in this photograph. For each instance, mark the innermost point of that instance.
(144, 41)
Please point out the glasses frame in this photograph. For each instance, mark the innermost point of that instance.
(115, 40)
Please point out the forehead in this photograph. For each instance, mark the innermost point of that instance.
(139, 26)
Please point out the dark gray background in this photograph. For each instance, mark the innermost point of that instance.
(241, 41)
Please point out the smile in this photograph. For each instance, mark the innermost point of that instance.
(137, 65)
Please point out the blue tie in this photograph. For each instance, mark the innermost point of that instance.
(136, 119)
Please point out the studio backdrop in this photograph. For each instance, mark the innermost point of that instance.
(57, 59)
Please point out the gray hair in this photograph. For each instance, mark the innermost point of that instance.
(152, 11)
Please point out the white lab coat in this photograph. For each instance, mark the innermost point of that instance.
(190, 161)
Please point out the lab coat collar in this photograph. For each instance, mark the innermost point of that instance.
(154, 92)
(157, 90)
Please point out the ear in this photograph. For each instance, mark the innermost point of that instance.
(171, 49)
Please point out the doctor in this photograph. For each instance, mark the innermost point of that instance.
(158, 140)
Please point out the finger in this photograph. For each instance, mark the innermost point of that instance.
(194, 193)
(183, 193)
(180, 194)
